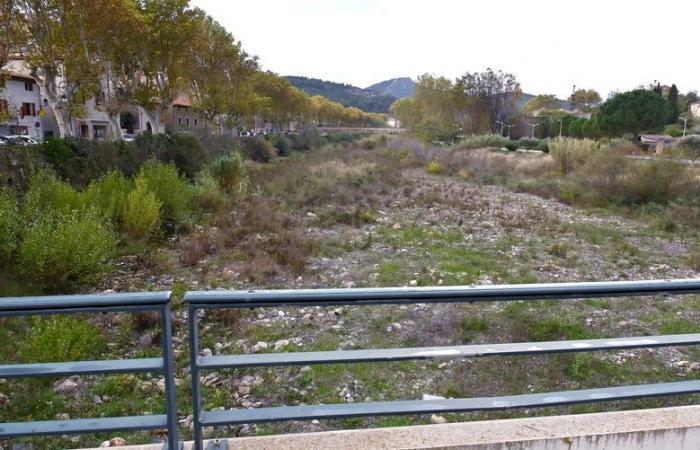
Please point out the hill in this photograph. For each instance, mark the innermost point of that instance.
(527, 97)
(396, 87)
(344, 94)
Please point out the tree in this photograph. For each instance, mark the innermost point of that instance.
(633, 112)
(542, 102)
(585, 99)
(489, 96)
(673, 106)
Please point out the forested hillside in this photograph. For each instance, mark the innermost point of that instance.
(345, 94)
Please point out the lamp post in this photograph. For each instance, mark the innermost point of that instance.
(561, 126)
(502, 125)
(685, 124)
(509, 127)
(533, 125)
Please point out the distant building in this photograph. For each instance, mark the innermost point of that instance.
(695, 109)
(393, 122)
(660, 142)
(20, 102)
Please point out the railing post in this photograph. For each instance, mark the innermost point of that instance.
(194, 373)
(166, 333)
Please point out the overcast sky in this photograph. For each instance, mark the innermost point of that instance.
(549, 45)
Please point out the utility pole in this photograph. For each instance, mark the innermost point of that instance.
(685, 124)
(533, 125)
(571, 100)
(561, 126)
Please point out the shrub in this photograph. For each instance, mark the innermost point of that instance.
(281, 143)
(230, 172)
(56, 151)
(140, 216)
(61, 338)
(306, 140)
(61, 248)
(9, 225)
(208, 196)
(194, 250)
(527, 143)
(571, 153)
(182, 149)
(690, 147)
(512, 146)
(543, 146)
(435, 167)
(484, 141)
(109, 194)
(367, 144)
(174, 193)
(46, 192)
(258, 149)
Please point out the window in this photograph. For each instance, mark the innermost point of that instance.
(28, 85)
(99, 131)
(28, 109)
(195, 122)
(179, 120)
(187, 121)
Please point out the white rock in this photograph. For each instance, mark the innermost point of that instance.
(433, 397)
(104, 444)
(281, 344)
(259, 346)
(65, 386)
(437, 419)
(413, 283)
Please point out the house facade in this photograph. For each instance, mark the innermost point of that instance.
(21, 109)
(695, 109)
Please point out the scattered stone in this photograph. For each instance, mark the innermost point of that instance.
(259, 346)
(396, 226)
(442, 365)
(281, 344)
(435, 419)
(432, 397)
(393, 327)
(64, 387)
(105, 444)
(413, 283)
(62, 416)
(117, 442)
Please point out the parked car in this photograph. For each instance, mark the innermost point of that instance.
(18, 139)
(128, 137)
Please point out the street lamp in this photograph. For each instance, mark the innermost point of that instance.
(502, 125)
(533, 125)
(685, 124)
(509, 127)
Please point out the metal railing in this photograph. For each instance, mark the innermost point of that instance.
(75, 304)
(359, 297)
(197, 301)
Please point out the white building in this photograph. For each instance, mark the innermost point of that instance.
(695, 109)
(20, 102)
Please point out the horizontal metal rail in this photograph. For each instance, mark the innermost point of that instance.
(453, 405)
(448, 294)
(82, 426)
(72, 304)
(82, 368)
(430, 295)
(442, 353)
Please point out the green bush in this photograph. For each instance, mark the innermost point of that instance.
(435, 167)
(65, 248)
(527, 143)
(512, 146)
(56, 151)
(367, 144)
(9, 225)
(140, 216)
(281, 143)
(174, 193)
(230, 172)
(61, 338)
(109, 194)
(208, 195)
(484, 141)
(186, 152)
(259, 149)
(543, 146)
(571, 153)
(46, 192)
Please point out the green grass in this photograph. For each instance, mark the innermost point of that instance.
(471, 326)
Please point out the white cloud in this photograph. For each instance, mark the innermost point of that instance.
(549, 45)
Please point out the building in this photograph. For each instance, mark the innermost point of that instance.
(21, 108)
(695, 109)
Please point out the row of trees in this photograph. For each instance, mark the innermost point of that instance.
(472, 104)
(147, 52)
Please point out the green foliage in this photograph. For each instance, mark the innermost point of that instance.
(9, 225)
(61, 338)
(633, 112)
(230, 172)
(557, 329)
(56, 151)
(281, 143)
(183, 150)
(46, 192)
(470, 326)
(259, 149)
(528, 144)
(174, 193)
(109, 195)
(435, 167)
(484, 141)
(140, 216)
(511, 145)
(60, 248)
(571, 153)
(208, 195)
